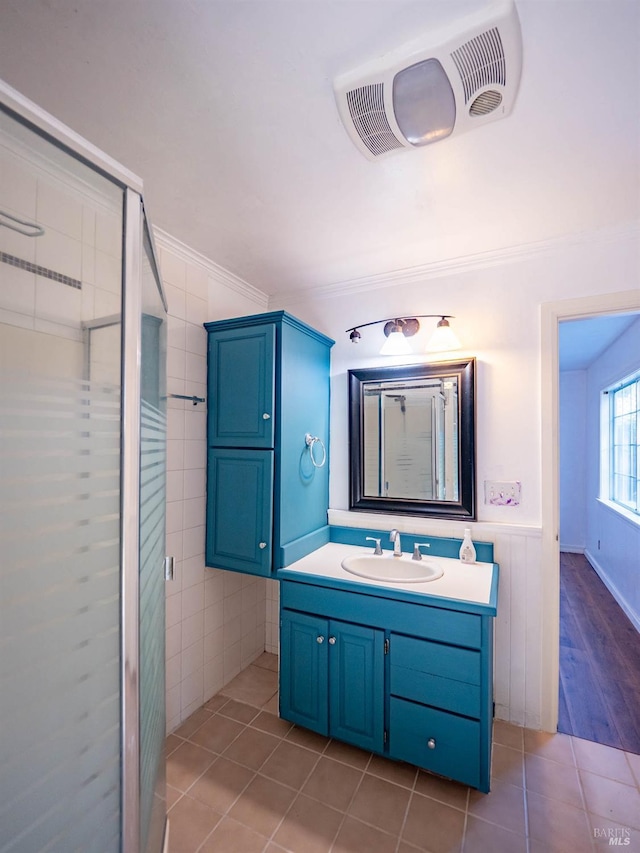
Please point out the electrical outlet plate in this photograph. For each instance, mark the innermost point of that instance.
(502, 492)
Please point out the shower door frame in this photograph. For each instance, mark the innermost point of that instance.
(134, 217)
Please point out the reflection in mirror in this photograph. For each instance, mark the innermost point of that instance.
(412, 439)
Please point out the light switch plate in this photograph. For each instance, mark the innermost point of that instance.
(502, 492)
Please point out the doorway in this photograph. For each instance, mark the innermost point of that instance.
(552, 315)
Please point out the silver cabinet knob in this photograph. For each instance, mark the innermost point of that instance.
(266, 416)
(431, 743)
(320, 639)
(262, 545)
(332, 641)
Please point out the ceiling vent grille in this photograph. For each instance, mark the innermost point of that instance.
(481, 63)
(485, 103)
(366, 107)
(454, 78)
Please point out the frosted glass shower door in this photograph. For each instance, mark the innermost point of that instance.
(153, 433)
(60, 434)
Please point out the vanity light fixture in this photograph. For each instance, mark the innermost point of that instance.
(398, 329)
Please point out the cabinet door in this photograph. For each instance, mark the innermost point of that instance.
(356, 684)
(239, 510)
(304, 670)
(241, 387)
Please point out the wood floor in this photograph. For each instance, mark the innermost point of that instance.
(599, 661)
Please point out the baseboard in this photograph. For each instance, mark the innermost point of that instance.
(633, 617)
(165, 846)
(572, 549)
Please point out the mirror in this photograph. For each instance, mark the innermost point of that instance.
(412, 439)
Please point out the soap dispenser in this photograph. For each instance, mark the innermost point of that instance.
(467, 551)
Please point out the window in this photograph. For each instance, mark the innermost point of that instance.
(621, 422)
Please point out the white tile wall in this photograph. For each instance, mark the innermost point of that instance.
(216, 620)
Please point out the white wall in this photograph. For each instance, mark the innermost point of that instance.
(215, 619)
(612, 539)
(496, 302)
(573, 456)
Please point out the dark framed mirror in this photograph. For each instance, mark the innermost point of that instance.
(412, 439)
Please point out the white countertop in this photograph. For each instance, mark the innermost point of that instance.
(461, 581)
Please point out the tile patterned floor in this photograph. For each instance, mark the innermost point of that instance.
(241, 780)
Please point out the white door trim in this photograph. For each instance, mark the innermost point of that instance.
(551, 315)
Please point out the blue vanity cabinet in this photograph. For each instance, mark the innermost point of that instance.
(332, 678)
(408, 677)
(241, 386)
(268, 387)
(245, 478)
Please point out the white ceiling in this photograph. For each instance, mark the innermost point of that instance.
(580, 342)
(225, 108)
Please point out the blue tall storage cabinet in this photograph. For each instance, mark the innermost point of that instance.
(268, 387)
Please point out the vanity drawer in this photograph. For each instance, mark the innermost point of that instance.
(435, 674)
(441, 742)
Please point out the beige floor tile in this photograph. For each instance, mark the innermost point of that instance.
(634, 763)
(186, 764)
(357, 837)
(267, 660)
(229, 836)
(503, 806)
(272, 706)
(262, 805)
(252, 748)
(445, 790)
(272, 724)
(333, 783)
(239, 711)
(506, 734)
(553, 779)
(558, 825)
(380, 803)
(193, 723)
(603, 760)
(171, 743)
(215, 703)
(612, 800)
(556, 747)
(507, 765)
(433, 826)
(217, 733)
(310, 740)
(397, 772)
(482, 837)
(254, 685)
(309, 827)
(173, 795)
(348, 754)
(221, 785)
(289, 764)
(190, 823)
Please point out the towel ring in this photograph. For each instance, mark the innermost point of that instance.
(310, 441)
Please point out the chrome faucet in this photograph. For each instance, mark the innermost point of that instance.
(394, 537)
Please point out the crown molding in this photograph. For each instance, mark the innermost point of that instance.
(220, 274)
(455, 266)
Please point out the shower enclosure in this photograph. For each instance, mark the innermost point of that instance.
(82, 497)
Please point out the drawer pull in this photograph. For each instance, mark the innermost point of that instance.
(266, 416)
(320, 639)
(431, 743)
(262, 545)
(332, 641)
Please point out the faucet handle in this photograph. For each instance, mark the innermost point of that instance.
(416, 549)
(378, 549)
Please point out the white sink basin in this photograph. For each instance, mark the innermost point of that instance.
(392, 569)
